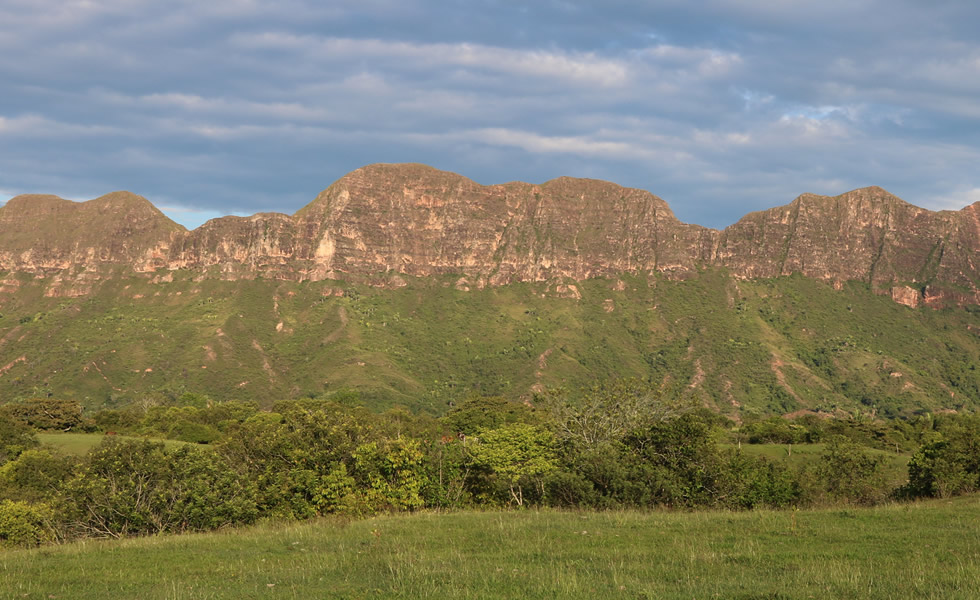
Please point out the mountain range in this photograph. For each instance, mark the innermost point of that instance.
(373, 287)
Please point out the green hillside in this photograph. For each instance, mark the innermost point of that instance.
(741, 347)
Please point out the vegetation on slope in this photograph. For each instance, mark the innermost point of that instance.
(743, 348)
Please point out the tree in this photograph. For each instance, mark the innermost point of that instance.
(46, 413)
(945, 467)
(606, 413)
(519, 454)
(137, 488)
(15, 438)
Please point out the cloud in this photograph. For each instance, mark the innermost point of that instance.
(225, 107)
(955, 199)
(720, 107)
(584, 68)
(581, 145)
(37, 126)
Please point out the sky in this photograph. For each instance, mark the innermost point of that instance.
(720, 107)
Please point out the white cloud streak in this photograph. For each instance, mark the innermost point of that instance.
(582, 67)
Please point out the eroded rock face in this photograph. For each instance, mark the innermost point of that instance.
(416, 220)
(419, 221)
(903, 294)
(40, 234)
(867, 235)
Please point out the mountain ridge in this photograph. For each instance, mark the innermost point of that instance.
(386, 220)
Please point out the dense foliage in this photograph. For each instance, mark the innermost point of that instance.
(15, 437)
(615, 446)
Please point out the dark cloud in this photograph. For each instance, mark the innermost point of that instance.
(720, 107)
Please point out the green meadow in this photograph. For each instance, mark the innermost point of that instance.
(921, 550)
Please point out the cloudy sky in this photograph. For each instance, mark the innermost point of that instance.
(720, 106)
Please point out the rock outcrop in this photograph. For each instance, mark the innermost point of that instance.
(416, 220)
(868, 234)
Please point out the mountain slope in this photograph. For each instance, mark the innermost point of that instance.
(741, 347)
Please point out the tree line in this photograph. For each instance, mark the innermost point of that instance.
(613, 446)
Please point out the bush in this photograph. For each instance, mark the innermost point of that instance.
(480, 413)
(848, 472)
(116, 420)
(775, 430)
(135, 488)
(678, 462)
(288, 454)
(519, 455)
(391, 474)
(195, 433)
(754, 482)
(46, 413)
(15, 438)
(570, 490)
(945, 467)
(35, 476)
(24, 525)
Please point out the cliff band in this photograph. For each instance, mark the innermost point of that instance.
(419, 221)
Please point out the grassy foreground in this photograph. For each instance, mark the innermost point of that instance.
(927, 550)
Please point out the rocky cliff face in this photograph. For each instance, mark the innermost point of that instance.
(419, 221)
(416, 220)
(40, 234)
(868, 234)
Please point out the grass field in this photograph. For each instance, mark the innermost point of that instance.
(927, 550)
(80, 443)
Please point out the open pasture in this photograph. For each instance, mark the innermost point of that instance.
(922, 550)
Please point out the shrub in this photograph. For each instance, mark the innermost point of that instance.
(753, 482)
(24, 525)
(46, 413)
(945, 467)
(678, 461)
(519, 455)
(35, 476)
(775, 430)
(135, 488)
(288, 454)
(480, 413)
(391, 474)
(849, 473)
(15, 438)
(195, 433)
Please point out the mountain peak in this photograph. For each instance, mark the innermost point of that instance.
(33, 204)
